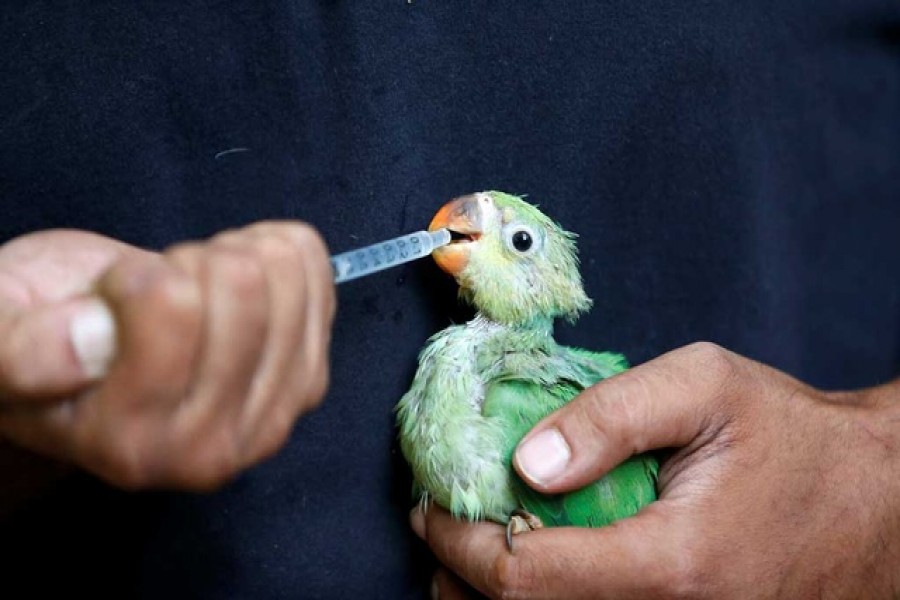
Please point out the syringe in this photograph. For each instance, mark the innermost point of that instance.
(389, 253)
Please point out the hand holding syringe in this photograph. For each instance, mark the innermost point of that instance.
(208, 319)
(94, 343)
(389, 253)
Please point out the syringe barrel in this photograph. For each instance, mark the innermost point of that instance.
(386, 254)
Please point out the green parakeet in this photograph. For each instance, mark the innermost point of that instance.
(481, 386)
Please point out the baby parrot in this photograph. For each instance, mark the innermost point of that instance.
(480, 387)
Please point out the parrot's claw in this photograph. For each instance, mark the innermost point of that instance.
(519, 522)
(424, 503)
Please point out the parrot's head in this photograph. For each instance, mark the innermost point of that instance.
(511, 261)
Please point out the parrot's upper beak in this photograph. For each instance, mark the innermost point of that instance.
(463, 218)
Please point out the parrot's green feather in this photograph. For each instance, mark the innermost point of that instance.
(480, 387)
(520, 403)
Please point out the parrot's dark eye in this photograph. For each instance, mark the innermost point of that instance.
(522, 241)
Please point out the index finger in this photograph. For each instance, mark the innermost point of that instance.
(639, 557)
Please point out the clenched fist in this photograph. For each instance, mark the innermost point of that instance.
(176, 369)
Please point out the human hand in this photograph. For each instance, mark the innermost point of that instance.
(176, 369)
(775, 490)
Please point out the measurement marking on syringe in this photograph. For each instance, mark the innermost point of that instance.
(386, 254)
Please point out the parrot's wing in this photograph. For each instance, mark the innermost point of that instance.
(523, 400)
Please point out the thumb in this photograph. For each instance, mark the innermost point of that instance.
(56, 349)
(667, 402)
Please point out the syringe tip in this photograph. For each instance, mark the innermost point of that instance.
(439, 237)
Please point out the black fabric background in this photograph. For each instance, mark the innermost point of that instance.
(732, 169)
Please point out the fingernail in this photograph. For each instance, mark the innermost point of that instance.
(544, 457)
(93, 335)
(435, 591)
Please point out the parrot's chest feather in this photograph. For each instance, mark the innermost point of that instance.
(456, 453)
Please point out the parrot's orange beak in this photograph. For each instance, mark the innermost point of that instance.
(462, 217)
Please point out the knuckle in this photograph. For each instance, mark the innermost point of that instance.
(610, 408)
(184, 254)
(127, 278)
(228, 237)
(593, 415)
(621, 403)
(169, 292)
(277, 248)
(242, 274)
(307, 237)
(125, 464)
(296, 236)
(715, 360)
(187, 258)
(182, 298)
(314, 250)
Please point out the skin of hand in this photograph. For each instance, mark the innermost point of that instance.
(175, 369)
(773, 490)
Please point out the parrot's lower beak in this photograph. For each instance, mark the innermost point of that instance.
(463, 218)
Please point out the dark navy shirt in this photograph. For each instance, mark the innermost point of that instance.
(732, 168)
